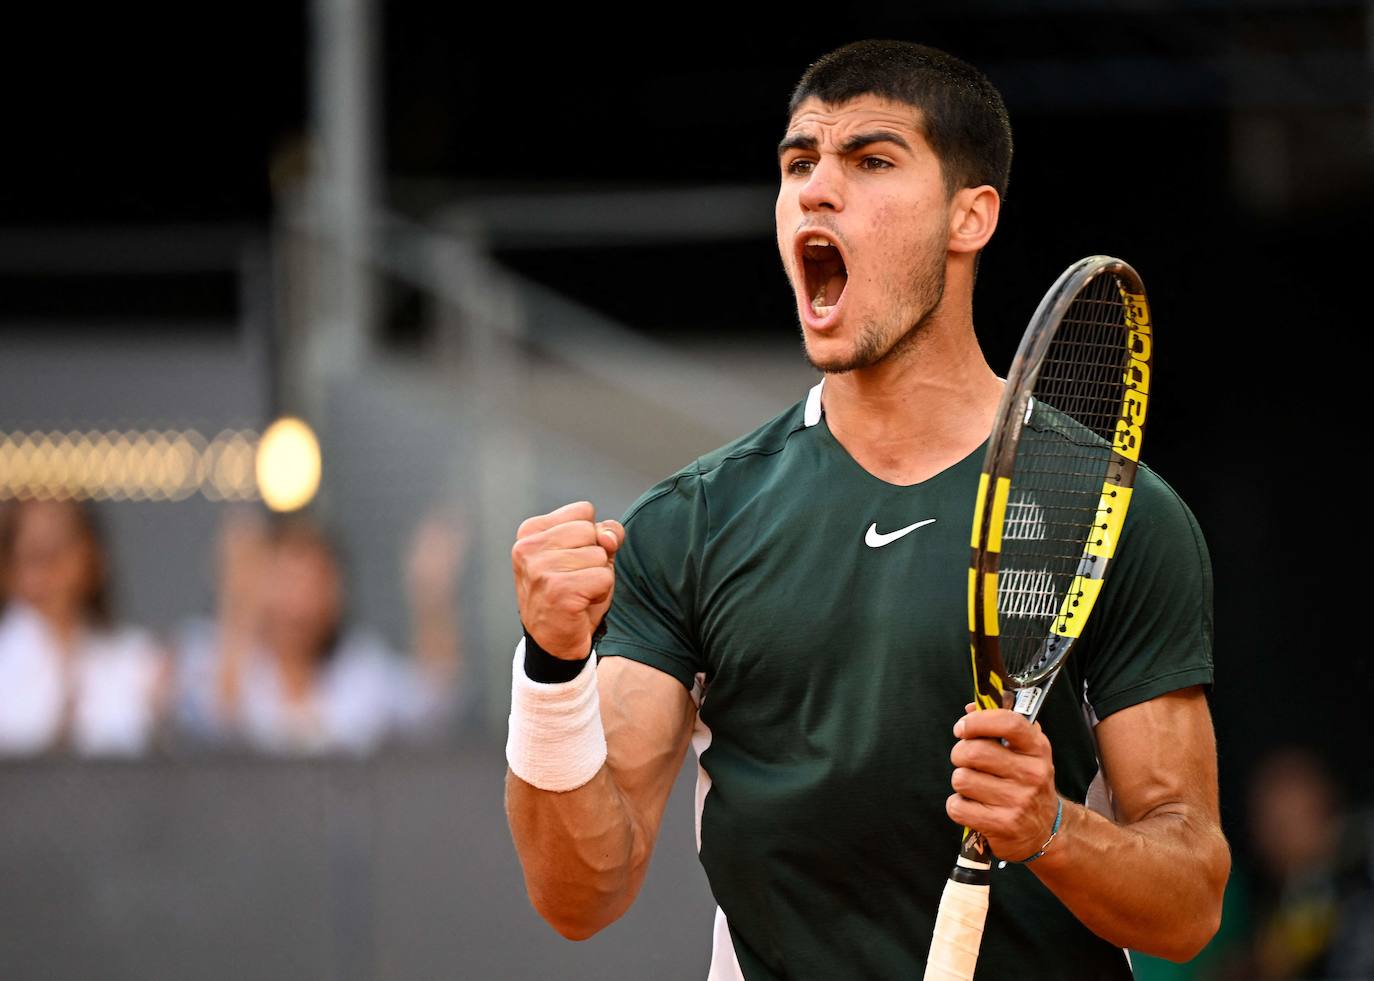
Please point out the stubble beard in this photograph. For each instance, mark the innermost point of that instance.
(879, 342)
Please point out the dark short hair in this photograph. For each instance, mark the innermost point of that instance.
(963, 116)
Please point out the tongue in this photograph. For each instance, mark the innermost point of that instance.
(834, 286)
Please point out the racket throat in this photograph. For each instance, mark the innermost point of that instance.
(1030, 700)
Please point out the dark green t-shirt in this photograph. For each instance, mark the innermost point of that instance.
(829, 656)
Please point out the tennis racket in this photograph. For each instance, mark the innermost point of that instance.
(1052, 498)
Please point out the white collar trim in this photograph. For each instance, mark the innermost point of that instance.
(813, 404)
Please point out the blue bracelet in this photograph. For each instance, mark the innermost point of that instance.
(1058, 816)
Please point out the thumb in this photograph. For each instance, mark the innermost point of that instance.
(610, 535)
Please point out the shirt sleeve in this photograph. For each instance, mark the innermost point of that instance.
(1151, 632)
(653, 617)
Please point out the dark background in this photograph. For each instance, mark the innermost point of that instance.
(1222, 149)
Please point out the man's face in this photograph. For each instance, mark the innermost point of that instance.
(863, 228)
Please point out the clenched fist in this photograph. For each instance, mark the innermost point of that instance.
(564, 576)
(1003, 781)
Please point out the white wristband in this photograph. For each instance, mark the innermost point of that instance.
(556, 741)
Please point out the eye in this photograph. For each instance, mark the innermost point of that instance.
(799, 166)
(875, 163)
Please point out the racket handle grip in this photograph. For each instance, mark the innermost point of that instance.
(958, 932)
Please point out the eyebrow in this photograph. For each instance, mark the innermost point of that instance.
(796, 141)
(801, 141)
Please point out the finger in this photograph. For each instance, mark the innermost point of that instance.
(570, 559)
(990, 790)
(974, 814)
(586, 587)
(576, 511)
(568, 534)
(610, 534)
(999, 724)
(989, 756)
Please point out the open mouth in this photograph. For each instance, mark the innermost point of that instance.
(825, 274)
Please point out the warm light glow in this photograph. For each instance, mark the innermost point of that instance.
(157, 465)
(288, 465)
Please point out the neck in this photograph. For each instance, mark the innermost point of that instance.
(296, 668)
(64, 622)
(920, 410)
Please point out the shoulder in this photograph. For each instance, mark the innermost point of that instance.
(1154, 631)
(131, 641)
(122, 653)
(740, 461)
(20, 630)
(1159, 515)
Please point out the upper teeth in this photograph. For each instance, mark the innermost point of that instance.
(817, 240)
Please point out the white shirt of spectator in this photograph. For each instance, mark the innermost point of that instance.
(110, 678)
(364, 695)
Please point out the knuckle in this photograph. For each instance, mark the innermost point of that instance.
(968, 754)
(518, 551)
(1035, 774)
(537, 572)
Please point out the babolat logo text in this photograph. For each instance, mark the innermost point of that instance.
(1137, 376)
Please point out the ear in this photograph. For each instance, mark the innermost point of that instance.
(973, 218)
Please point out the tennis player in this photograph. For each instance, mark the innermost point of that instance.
(793, 605)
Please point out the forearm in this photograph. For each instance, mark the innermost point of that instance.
(585, 850)
(1154, 885)
(583, 853)
(435, 631)
(235, 637)
(1152, 882)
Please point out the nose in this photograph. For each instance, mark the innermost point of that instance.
(823, 190)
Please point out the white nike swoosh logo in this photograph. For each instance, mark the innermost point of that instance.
(873, 539)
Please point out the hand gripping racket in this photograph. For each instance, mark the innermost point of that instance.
(1054, 491)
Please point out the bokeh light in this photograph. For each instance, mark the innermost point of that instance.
(151, 465)
(288, 464)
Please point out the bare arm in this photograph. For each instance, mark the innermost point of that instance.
(433, 565)
(243, 556)
(1152, 880)
(585, 852)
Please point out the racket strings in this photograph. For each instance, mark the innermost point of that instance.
(1064, 454)
(1083, 371)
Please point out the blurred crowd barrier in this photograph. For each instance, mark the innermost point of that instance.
(230, 867)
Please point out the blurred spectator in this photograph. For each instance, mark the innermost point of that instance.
(1312, 885)
(282, 672)
(69, 678)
